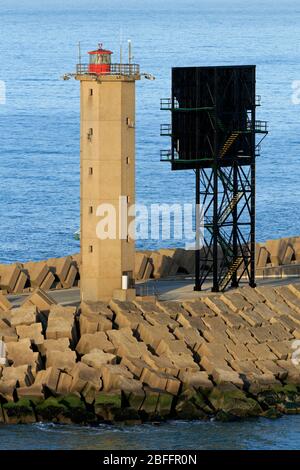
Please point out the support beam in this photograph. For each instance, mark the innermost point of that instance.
(197, 227)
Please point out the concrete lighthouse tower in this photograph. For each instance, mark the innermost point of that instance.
(107, 160)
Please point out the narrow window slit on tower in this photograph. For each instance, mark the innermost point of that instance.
(91, 91)
(91, 209)
(91, 248)
(90, 170)
(129, 122)
(90, 133)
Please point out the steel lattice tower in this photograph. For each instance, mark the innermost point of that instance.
(214, 132)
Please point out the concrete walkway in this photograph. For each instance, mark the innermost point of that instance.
(164, 289)
(183, 289)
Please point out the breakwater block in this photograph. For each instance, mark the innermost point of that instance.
(40, 299)
(224, 356)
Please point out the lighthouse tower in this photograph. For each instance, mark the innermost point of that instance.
(107, 168)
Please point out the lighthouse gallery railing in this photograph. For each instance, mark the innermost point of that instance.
(115, 69)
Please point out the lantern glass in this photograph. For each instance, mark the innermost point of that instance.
(98, 59)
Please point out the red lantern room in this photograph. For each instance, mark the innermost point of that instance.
(100, 61)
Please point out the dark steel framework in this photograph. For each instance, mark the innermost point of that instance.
(213, 132)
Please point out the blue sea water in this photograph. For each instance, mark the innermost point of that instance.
(257, 434)
(39, 124)
(39, 156)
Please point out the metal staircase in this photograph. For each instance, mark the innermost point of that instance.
(232, 204)
(223, 238)
(214, 119)
(225, 243)
(229, 142)
(232, 269)
(233, 262)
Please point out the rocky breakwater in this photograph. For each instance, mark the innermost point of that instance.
(224, 356)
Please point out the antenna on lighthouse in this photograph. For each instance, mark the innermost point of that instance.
(121, 40)
(79, 54)
(129, 51)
